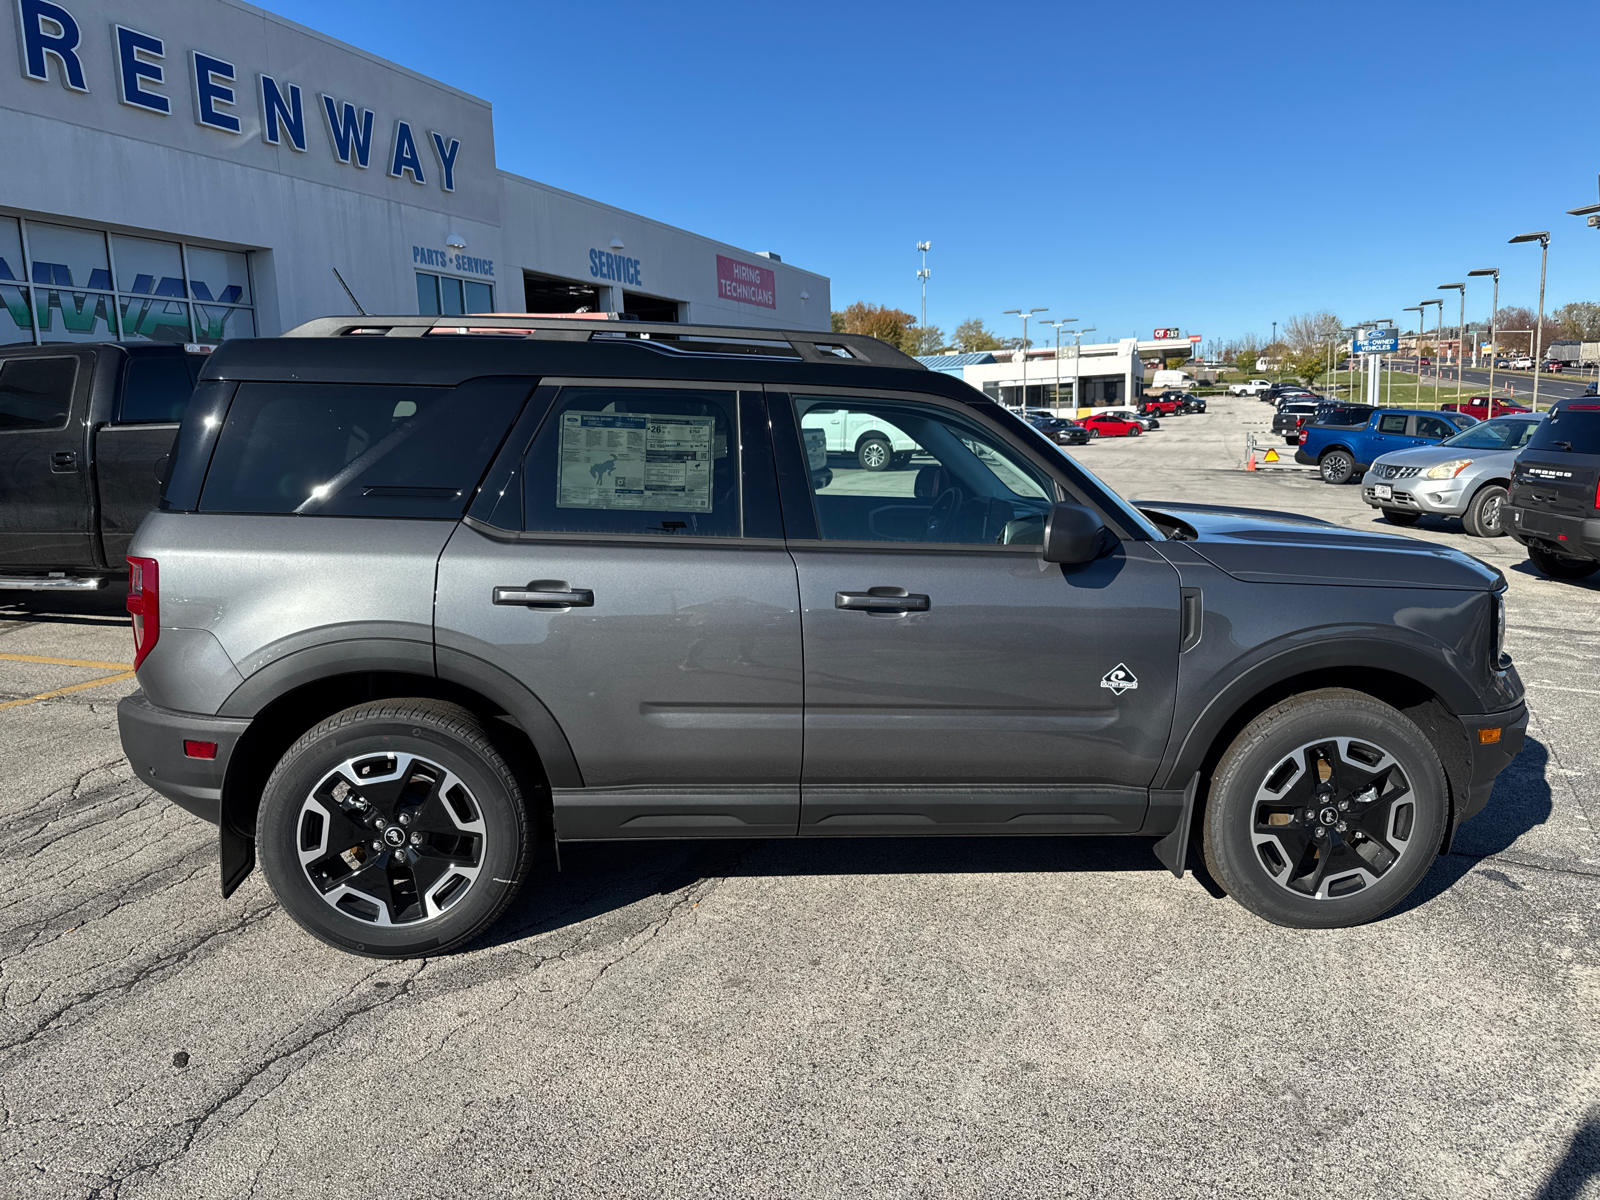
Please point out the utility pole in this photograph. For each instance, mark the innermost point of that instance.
(922, 275)
(1543, 238)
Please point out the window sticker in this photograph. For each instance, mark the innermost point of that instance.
(635, 460)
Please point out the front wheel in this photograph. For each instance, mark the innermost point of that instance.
(1326, 811)
(874, 454)
(1560, 566)
(394, 829)
(1336, 466)
(1483, 517)
(1399, 516)
(1135, 431)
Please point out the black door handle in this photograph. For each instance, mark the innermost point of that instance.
(545, 593)
(64, 460)
(882, 599)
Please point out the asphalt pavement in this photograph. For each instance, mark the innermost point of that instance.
(896, 1018)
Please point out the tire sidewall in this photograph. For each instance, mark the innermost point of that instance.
(861, 454)
(1262, 745)
(305, 765)
(1477, 522)
(1330, 465)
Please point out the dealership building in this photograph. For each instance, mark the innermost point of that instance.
(200, 169)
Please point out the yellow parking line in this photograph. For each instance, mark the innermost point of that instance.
(67, 662)
(76, 687)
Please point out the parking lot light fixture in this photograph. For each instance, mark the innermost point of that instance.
(1438, 336)
(1058, 325)
(1543, 238)
(1461, 330)
(1494, 321)
(1077, 366)
(1419, 310)
(1017, 312)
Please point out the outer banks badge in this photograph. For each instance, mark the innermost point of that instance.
(1119, 679)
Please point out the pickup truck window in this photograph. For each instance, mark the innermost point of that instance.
(1434, 427)
(1392, 423)
(155, 390)
(36, 393)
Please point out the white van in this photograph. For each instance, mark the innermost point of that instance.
(1177, 381)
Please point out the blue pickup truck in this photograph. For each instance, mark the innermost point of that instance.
(1343, 440)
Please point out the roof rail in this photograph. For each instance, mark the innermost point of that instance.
(809, 345)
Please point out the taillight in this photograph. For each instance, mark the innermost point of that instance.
(1303, 436)
(1597, 494)
(144, 604)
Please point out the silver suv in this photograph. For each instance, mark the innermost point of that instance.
(1467, 475)
(417, 595)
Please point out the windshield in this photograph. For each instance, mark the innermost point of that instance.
(1502, 433)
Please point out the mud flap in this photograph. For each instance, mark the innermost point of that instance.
(237, 855)
(1173, 850)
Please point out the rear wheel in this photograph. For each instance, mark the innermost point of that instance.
(1483, 517)
(1399, 516)
(874, 454)
(1337, 466)
(1560, 566)
(394, 829)
(1326, 811)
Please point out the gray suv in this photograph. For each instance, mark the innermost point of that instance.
(417, 594)
(1467, 475)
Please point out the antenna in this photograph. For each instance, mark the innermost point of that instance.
(348, 292)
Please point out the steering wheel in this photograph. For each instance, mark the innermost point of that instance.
(943, 511)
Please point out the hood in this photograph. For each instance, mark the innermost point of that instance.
(1262, 546)
(1427, 456)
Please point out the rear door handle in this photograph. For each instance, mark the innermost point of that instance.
(545, 593)
(882, 599)
(64, 460)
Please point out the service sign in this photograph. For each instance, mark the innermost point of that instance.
(746, 282)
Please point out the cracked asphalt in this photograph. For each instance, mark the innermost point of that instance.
(896, 1018)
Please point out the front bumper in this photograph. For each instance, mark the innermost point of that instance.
(153, 738)
(1489, 759)
(1577, 537)
(1448, 497)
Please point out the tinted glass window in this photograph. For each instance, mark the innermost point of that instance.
(645, 461)
(1433, 427)
(1569, 429)
(903, 471)
(36, 393)
(1499, 434)
(349, 450)
(155, 388)
(1392, 423)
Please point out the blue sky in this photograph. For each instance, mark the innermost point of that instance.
(1212, 167)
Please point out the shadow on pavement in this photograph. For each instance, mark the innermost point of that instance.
(1526, 567)
(1579, 1165)
(107, 606)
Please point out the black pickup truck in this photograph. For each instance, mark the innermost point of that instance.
(85, 432)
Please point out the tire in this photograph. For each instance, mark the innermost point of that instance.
(1483, 518)
(1337, 467)
(1135, 431)
(1399, 516)
(470, 843)
(1559, 566)
(902, 460)
(875, 454)
(1094, 433)
(1265, 853)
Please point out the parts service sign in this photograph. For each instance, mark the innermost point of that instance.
(746, 283)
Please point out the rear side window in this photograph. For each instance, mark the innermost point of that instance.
(1569, 429)
(358, 451)
(155, 390)
(1392, 423)
(36, 393)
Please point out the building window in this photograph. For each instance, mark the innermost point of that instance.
(441, 295)
(65, 283)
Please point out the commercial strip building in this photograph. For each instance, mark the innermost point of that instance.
(1097, 375)
(199, 169)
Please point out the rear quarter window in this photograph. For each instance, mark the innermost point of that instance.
(36, 393)
(155, 390)
(358, 450)
(1569, 429)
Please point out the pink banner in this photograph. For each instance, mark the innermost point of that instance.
(746, 283)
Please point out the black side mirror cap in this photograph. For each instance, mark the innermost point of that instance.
(1073, 534)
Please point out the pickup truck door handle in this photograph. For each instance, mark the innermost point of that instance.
(545, 593)
(882, 599)
(64, 460)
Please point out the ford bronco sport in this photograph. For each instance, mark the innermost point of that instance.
(416, 592)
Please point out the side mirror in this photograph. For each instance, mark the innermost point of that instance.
(1072, 534)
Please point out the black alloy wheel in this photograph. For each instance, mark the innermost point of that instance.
(1484, 517)
(1399, 516)
(1337, 467)
(1561, 566)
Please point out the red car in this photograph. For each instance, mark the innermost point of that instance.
(1111, 425)
(1480, 406)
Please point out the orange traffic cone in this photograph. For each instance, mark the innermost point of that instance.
(1250, 463)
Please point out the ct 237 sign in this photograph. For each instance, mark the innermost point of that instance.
(51, 39)
(1168, 335)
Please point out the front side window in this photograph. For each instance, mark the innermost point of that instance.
(640, 461)
(1434, 427)
(912, 471)
(36, 393)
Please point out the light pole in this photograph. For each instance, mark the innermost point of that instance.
(1017, 312)
(922, 275)
(1591, 214)
(1077, 366)
(1494, 326)
(1543, 238)
(1461, 330)
(1419, 310)
(1058, 325)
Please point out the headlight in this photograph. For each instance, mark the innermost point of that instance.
(1499, 627)
(1448, 470)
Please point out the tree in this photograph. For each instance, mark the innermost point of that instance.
(890, 325)
(1311, 329)
(1519, 318)
(1175, 362)
(1425, 350)
(1308, 362)
(971, 337)
(1580, 319)
(924, 341)
(1246, 360)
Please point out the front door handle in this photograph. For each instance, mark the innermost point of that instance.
(545, 593)
(882, 599)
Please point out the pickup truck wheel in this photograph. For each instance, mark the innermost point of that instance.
(1336, 466)
(1483, 516)
(394, 829)
(1560, 566)
(1325, 811)
(1399, 516)
(874, 454)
